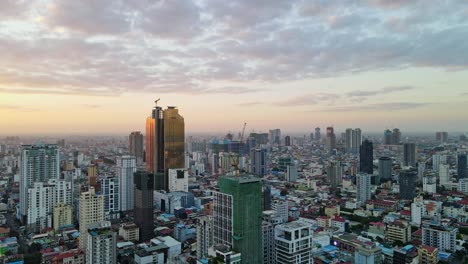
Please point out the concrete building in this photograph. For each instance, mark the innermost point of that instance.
(101, 244)
(63, 215)
(111, 192)
(442, 236)
(178, 180)
(204, 236)
(42, 197)
(363, 185)
(93, 176)
(368, 253)
(268, 242)
(275, 136)
(430, 183)
(291, 173)
(438, 159)
(353, 140)
(428, 255)
(282, 210)
(91, 211)
(125, 169)
(293, 243)
(398, 231)
(129, 232)
(37, 163)
(444, 175)
(258, 161)
(335, 173)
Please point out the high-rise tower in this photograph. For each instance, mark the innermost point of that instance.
(407, 181)
(317, 134)
(366, 157)
(165, 144)
(135, 145)
(462, 166)
(409, 154)
(331, 139)
(238, 216)
(38, 163)
(143, 211)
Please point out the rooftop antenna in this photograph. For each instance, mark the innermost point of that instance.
(156, 102)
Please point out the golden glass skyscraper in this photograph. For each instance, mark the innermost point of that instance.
(165, 143)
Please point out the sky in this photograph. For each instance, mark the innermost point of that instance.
(78, 67)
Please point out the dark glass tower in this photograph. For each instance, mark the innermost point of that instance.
(409, 154)
(287, 141)
(267, 198)
(462, 163)
(385, 168)
(143, 212)
(165, 144)
(407, 181)
(366, 157)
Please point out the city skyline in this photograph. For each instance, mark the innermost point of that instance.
(293, 64)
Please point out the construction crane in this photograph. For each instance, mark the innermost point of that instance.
(235, 163)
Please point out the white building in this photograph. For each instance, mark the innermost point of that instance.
(444, 174)
(125, 170)
(174, 247)
(463, 185)
(293, 243)
(42, 198)
(442, 236)
(91, 211)
(204, 236)
(178, 180)
(437, 160)
(268, 243)
(111, 192)
(101, 244)
(417, 210)
(282, 210)
(363, 185)
(430, 184)
(38, 163)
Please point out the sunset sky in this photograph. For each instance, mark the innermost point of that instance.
(97, 66)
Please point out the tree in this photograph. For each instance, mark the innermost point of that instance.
(35, 258)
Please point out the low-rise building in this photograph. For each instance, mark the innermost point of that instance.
(129, 232)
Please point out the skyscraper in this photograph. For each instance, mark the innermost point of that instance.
(335, 173)
(363, 186)
(135, 146)
(101, 243)
(238, 216)
(204, 235)
(287, 141)
(125, 169)
(388, 137)
(462, 166)
(143, 210)
(353, 139)
(407, 181)
(111, 192)
(258, 161)
(165, 144)
(396, 136)
(93, 176)
(38, 163)
(91, 211)
(442, 137)
(385, 168)
(317, 134)
(331, 139)
(409, 154)
(275, 136)
(366, 157)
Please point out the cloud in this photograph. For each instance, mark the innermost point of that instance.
(376, 107)
(385, 90)
(249, 104)
(309, 99)
(233, 90)
(111, 47)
